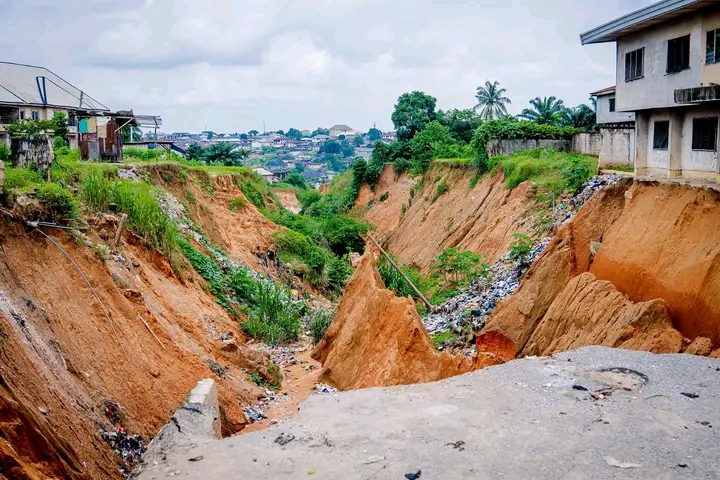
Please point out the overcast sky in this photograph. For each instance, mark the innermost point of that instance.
(228, 65)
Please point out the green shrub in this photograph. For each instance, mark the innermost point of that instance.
(4, 152)
(457, 268)
(384, 197)
(576, 172)
(343, 234)
(58, 143)
(521, 247)
(273, 319)
(96, 191)
(320, 321)
(21, 178)
(442, 339)
(237, 203)
(59, 201)
(338, 272)
(394, 281)
(253, 194)
(295, 244)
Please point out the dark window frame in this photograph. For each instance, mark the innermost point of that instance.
(635, 64)
(21, 115)
(704, 134)
(661, 135)
(678, 54)
(712, 46)
(35, 114)
(611, 101)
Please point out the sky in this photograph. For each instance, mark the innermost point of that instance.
(229, 66)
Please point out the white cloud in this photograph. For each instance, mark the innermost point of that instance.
(230, 65)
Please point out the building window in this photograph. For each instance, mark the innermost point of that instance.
(678, 55)
(712, 54)
(634, 64)
(705, 133)
(35, 115)
(22, 114)
(661, 135)
(612, 104)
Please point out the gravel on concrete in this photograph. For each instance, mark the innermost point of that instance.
(588, 414)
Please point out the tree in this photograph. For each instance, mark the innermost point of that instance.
(332, 161)
(347, 150)
(61, 125)
(253, 133)
(359, 168)
(331, 146)
(280, 132)
(243, 136)
(545, 111)
(320, 131)
(342, 137)
(374, 134)
(593, 102)
(581, 116)
(296, 179)
(294, 133)
(461, 123)
(491, 101)
(434, 141)
(412, 112)
(194, 152)
(358, 141)
(457, 268)
(218, 153)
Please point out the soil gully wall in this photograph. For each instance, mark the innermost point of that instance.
(660, 262)
(59, 358)
(482, 219)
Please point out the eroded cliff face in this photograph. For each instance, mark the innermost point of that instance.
(482, 219)
(62, 359)
(386, 214)
(659, 248)
(378, 339)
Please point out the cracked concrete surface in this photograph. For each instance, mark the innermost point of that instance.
(587, 414)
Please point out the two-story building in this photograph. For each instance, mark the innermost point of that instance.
(668, 75)
(28, 92)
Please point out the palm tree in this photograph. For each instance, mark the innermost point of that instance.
(581, 116)
(491, 102)
(548, 110)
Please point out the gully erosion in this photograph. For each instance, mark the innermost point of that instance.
(586, 341)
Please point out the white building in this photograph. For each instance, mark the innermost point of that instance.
(668, 75)
(337, 130)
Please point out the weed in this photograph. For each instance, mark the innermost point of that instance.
(272, 380)
(338, 272)
(441, 189)
(457, 268)
(442, 339)
(237, 203)
(320, 321)
(189, 196)
(96, 191)
(521, 247)
(384, 197)
(474, 180)
(394, 281)
(59, 201)
(4, 152)
(273, 319)
(403, 210)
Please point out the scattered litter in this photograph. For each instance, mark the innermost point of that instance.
(254, 414)
(128, 173)
(195, 459)
(468, 312)
(284, 439)
(690, 395)
(374, 459)
(324, 388)
(580, 387)
(413, 476)
(459, 445)
(112, 412)
(682, 465)
(216, 368)
(624, 465)
(311, 471)
(129, 447)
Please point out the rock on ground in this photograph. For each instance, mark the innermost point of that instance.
(591, 413)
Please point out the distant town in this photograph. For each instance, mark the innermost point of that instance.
(319, 154)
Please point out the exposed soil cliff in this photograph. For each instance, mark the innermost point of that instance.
(659, 246)
(384, 206)
(482, 219)
(378, 339)
(63, 360)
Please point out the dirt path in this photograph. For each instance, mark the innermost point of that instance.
(298, 384)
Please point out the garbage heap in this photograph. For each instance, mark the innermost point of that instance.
(467, 313)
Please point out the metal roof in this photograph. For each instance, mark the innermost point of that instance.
(651, 15)
(604, 91)
(29, 85)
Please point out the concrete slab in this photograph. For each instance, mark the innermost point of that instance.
(593, 413)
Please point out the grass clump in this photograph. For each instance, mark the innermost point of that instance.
(442, 188)
(22, 179)
(273, 319)
(320, 321)
(395, 282)
(442, 339)
(58, 200)
(237, 203)
(96, 191)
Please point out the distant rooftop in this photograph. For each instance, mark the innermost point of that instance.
(344, 128)
(30, 85)
(645, 17)
(604, 91)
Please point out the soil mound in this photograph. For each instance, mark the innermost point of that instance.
(378, 339)
(384, 207)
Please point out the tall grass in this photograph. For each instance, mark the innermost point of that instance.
(21, 178)
(273, 319)
(320, 321)
(96, 191)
